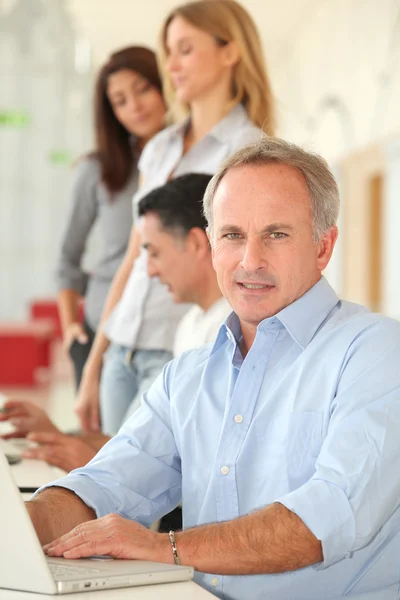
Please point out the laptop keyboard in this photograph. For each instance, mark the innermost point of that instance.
(62, 570)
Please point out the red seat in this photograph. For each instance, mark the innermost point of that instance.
(24, 348)
(46, 308)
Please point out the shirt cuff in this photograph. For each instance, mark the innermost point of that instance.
(325, 509)
(87, 490)
(77, 282)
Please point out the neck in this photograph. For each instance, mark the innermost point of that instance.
(207, 111)
(208, 292)
(248, 336)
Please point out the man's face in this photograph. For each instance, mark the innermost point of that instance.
(262, 244)
(167, 257)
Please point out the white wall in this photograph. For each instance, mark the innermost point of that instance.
(338, 78)
(40, 78)
(335, 67)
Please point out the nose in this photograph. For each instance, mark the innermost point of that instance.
(171, 63)
(253, 257)
(134, 103)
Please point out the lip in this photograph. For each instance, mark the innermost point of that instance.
(178, 81)
(140, 120)
(255, 291)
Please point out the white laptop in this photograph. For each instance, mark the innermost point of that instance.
(24, 565)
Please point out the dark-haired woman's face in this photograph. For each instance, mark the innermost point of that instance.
(136, 103)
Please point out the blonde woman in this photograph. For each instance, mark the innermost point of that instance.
(214, 76)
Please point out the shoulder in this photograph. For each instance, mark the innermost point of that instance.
(245, 135)
(362, 342)
(87, 172)
(89, 165)
(365, 325)
(185, 335)
(191, 315)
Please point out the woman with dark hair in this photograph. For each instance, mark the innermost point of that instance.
(129, 111)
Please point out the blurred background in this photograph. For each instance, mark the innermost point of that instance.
(335, 70)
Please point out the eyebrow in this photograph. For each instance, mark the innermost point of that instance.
(136, 83)
(269, 229)
(116, 95)
(183, 40)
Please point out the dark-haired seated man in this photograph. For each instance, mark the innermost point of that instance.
(173, 232)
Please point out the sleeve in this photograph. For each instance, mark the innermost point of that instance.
(356, 487)
(81, 217)
(137, 474)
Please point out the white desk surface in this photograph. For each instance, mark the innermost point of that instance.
(30, 473)
(34, 473)
(186, 590)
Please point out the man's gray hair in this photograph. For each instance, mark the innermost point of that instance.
(322, 187)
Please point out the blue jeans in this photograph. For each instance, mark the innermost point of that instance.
(123, 383)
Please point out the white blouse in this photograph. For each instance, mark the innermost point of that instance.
(146, 316)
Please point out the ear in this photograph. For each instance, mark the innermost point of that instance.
(197, 242)
(231, 54)
(210, 245)
(325, 247)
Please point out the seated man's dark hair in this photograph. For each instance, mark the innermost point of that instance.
(179, 203)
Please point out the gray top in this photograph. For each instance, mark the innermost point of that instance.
(90, 201)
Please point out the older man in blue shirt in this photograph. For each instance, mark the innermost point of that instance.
(282, 439)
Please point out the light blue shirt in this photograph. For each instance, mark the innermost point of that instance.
(310, 418)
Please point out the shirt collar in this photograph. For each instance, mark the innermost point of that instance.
(301, 319)
(235, 119)
(222, 131)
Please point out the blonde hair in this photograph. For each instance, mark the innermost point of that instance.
(321, 184)
(227, 21)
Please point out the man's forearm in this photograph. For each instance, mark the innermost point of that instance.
(56, 511)
(271, 540)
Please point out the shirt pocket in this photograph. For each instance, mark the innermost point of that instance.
(290, 445)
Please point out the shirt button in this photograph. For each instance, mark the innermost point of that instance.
(238, 418)
(224, 470)
(214, 581)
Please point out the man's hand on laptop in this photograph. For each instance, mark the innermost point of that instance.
(60, 450)
(114, 536)
(25, 417)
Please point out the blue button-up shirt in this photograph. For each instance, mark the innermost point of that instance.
(309, 418)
